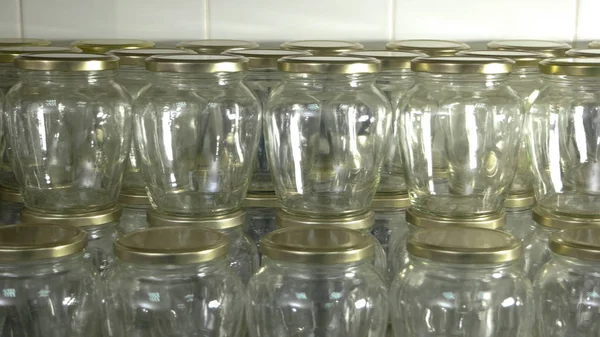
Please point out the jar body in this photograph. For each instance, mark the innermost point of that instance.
(133, 219)
(537, 252)
(71, 134)
(10, 212)
(398, 255)
(9, 76)
(99, 251)
(290, 299)
(326, 139)
(478, 120)
(438, 299)
(390, 228)
(196, 139)
(519, 223)
(243, 254)
(259, 222)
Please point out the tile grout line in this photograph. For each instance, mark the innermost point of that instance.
(206, 16)
(576, 32)
(21, 23)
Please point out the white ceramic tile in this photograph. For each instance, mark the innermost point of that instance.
(74, 19)
(485, 20)
(588, 25)
(10, 19)
(280, 20)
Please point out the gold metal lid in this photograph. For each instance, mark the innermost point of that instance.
(197, 63)
(216, 46)
(264, 58)
(318, 245)
(578, 243)
(322, 47)
(390, 201)
(519, 201)
(561, 221)
(96, 218)
(588, 66)
(550, 48)
(66, 62)
(101, 46)
(262, 200)
(429, 221)
(215, 222)
(583, 53)
(594, 44)
(15, 42)
(11, 195)
(360, 221)
(329, 65)
(429, 47)
(522, 58)
(462, 65)
(31, 242)
(171, 245)
(390, 60)
(139, 198)
(464, 245)
(137, 57)
(8, 54)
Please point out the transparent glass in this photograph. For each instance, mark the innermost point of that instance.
(71, 133)
(326, 139)
(10, 212)
(479, 120)
(398, 255)
(519, 223)
(537, 252)
(563, 144)
(99, 251)
(133, 219)
(243, 254)
(390, 227)
(301, 300)
(9, 76)
(50, 298)
(259, 222)
(196, 137)
(174, 300)
(567, 300)
(431, 299)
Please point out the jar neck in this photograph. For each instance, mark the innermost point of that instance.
(330, 81)
(571, 81)
(462, 79)
(195, 79)
(67, 77)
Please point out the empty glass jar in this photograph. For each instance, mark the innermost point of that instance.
(173, 281)
(70, 124)
(11, 204)
(434, 48)
(462, 282)
(260, 212)
(317, 281)
(196, 133)
(322, 47)
(549, 48)
(47, 287)
(518, 216)
(216, 46)
(135, 207)
(327, 127)
(466, 105)
(101, 46)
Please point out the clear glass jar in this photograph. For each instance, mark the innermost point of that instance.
(322, 47)
(243, 255)
(135, 207)
(103, 46)
(562, 137)
(11, 204)
(434, 48)
(317, 281)
(549, 48)
(467, 104)
(196, 133)
(216, 46)
(566, 290)
(47, 287)
(327, 127)
(71, 126)
(260, 211)
(462, 282)
(173, 281)
(518, 216)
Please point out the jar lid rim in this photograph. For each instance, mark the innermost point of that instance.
(216, 46)
(591, 52)
(432, 47)
(329, 64)
(72, 62)
(13, 42)
(390, 59)
(519, 201)
(554, 48)
(555, 220)
(462, 65)
(137, 57)
(196, 63)
(568, 66)
(262, 200)
(11, 195)
(264, 58)
(364, 220)
(8, 54)
(385, 201)
(214, 222)
(322, 47)
(522, 58)
(102, 46)
(581, 243)
(32, 242)
(101, 217)
(431, 221)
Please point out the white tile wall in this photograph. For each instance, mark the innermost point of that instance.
(588, 24)
(10, 18)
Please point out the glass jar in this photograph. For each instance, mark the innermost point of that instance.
(566, 290)
(216, 46)
(47, 287)
(549, 48)
(196, 133)
(173, 281)
(466, 105)
(317, 281)
(583, 53)
(260, 211)
(518, 216)
(243, 255)
(135, 207)
(102, 46)
(11, 203)
(322, 47)
(71, 126)
(462, 282)
(434, 48)
(327, 127)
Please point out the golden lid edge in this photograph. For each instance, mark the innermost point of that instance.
(462, 65)
(137, 57)
(519, 201)
(432, 50)
(558, 50)
(205, 47)
(329, 65)
(362, 221)
(8, 54)
(264, 61)
(429, 221)
(97, 218)
(196, 63)
(261, 200)
(581, 243)
(559, 221)
(584, 67)
(335, 47)
(52, 246)
(18, 42)
(101, 46)
(528, 59)
(385, 201)
(10, 195)
(214, 222)
(593, 52)
(389, 63)
(66, 62)
(134, 197)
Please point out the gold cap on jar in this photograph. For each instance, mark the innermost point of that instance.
(16, 42)
(264, 58)
(216, 46)
(549, 48)
(429, 221)
(31, 242)
(96, 218)
(329, 65)
(171, 245)
(137, 57)
(66, 62)
(318, 245)
(578, 243)
(215, 222)
(462, 65)
(522, 58)
(360, 221)
(101, 46)
(429, 47)
(134, 198)
(583, 53)
(384, 201)
(322, 47)
(589, 66)
(519, 201)
(262, 200)
(464, 245)
(561, 221)
(197, 63)
(8, 54)
(594, 44)
(390, 60)
(10, 195)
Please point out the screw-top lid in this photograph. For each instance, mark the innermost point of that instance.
(360, 221)
(197, 63)
(522, 58)
(15, 42)
(583, 53)
(264, 58)
(571, 66)
(546, 218)
(462, 65)
(429, 221)
(8, 54)
(134, 197)
(578, 243)
(11, 195)
(322, 47)
(171, 245)
(262, 200)
(550, 48)
(215, 222)
(216, 46)
(137, 57)
(464, 245)
(96, 218)
(594, 44)
(329, 65)
(519, 201)
(429, 47)
(323, 245)
(101, 46)
(390, 60)
(66, 62)
(32, 242)
(383, 201)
